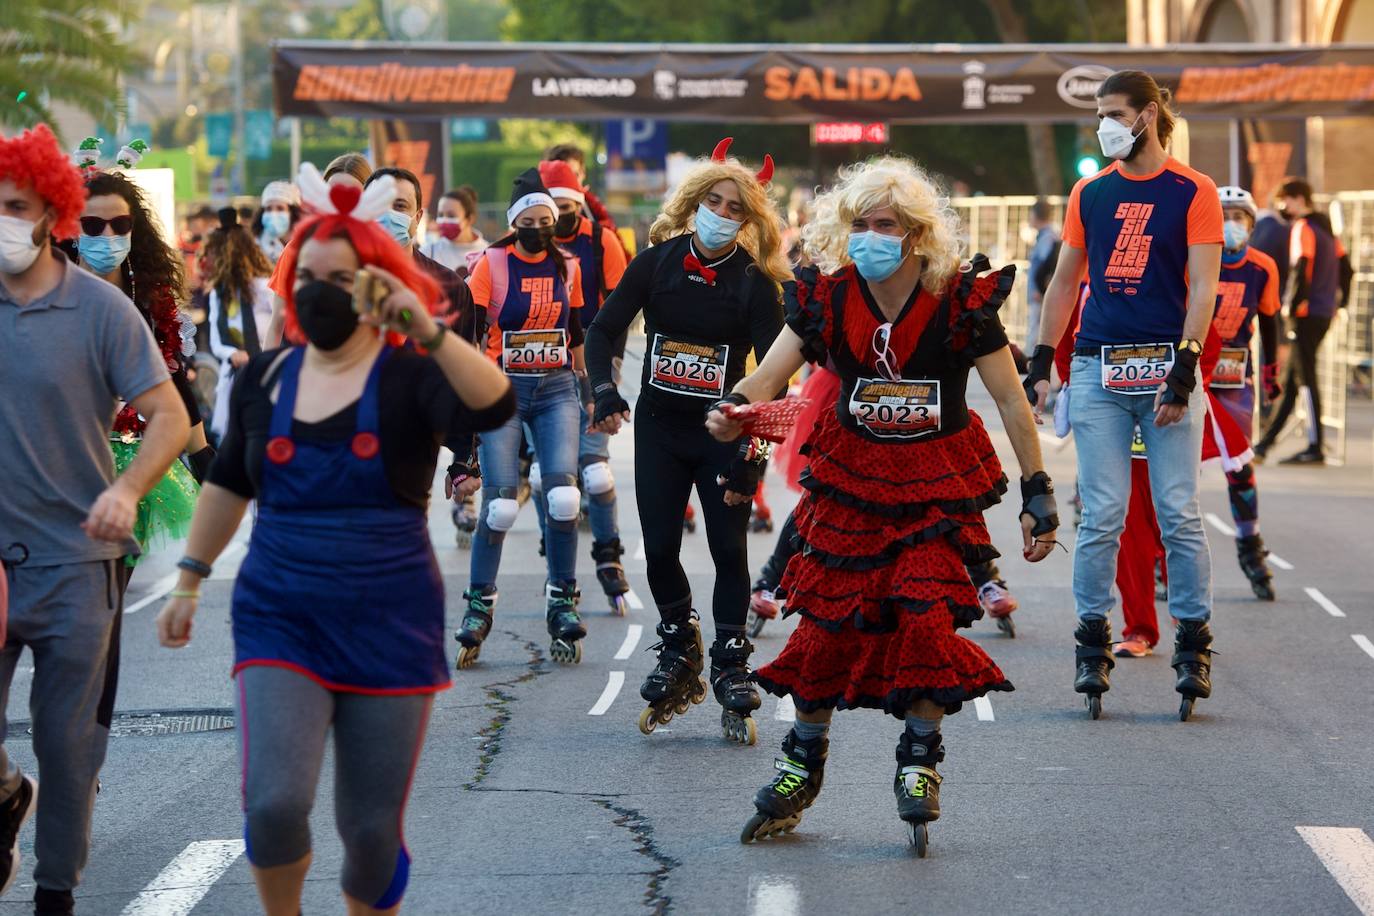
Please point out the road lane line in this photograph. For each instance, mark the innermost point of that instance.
(631, 640)
(635, 602)
(639, 550)
(786, 711)
(1215, 521)
(983, 706)
(1360, 640)
(773, 895)
(189, 877)
(160, 589)
(614, 681)
(1279, 561)
(1348, 854)
(1326, 603)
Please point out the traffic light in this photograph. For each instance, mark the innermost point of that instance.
(1088, 166)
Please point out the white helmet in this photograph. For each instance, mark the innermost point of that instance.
(1239, 198)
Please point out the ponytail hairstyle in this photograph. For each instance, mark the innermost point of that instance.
(1140, 89)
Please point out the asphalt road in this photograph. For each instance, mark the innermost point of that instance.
(536, 793)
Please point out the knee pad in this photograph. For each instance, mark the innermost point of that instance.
(598, 479)
(501, 513)
(536, 481)
(564, 503)
(1242, 478)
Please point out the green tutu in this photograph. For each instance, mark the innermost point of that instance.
(165, 513)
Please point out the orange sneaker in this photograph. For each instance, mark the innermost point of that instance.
(1132, 647)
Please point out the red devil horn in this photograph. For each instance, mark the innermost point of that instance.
(718, 154)
(766, 173)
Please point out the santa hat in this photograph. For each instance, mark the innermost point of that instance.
(561, 181)
(529, 192)
(283, 191)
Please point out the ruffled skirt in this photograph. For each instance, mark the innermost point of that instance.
(886, 532)
(164, 515)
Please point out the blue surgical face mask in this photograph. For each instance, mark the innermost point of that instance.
(276, 223)
(103, 253)
(715, 232)
(877, 256)
(1235, 234)
(398, 224)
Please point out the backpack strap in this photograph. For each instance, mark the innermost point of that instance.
(498, 267)
(599, 258)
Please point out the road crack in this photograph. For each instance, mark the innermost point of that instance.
(642, 830)
(499, 702)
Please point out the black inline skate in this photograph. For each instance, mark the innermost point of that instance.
(1252, 555)
(917, 786)
(476, 624)
(565, 626)
(761, 520)
(675, 683)
(464, 523)
(1095, 662)
(738, 698)
(689, 520)
(1193, 663)
(801, 770)
(611, 575)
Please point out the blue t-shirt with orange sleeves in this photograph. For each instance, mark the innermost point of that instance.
(537, 297)
(595, 277)
(1248, 287)
(1136, 231)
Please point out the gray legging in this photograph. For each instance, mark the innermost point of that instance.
(284, 719)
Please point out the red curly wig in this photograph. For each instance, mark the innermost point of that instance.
(34, 160)
(373, 245)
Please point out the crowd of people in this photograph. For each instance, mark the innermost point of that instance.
(351, 354)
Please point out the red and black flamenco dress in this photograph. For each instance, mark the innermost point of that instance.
(891, 516)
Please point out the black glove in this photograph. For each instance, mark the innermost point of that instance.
(460, 471)
(1182, 378)
(609, 403)
(1037, 501)
(200, 462)
(1041, 361)
(734, 398)
(746, 470)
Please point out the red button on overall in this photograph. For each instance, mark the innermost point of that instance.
(280, 450)
(366, 446)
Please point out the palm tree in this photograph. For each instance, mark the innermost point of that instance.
(61, 51)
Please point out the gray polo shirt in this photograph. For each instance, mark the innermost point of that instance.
(65, 362)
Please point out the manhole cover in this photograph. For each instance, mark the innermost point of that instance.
(150, 724)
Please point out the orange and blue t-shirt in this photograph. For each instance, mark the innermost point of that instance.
(612, 266)
(537, 297)
(1136, 231)
(1248, 287)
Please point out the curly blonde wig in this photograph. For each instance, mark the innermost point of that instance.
(888, 181)
(762, 232)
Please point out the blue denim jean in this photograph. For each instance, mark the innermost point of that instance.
(1104, 423)
(548, 406)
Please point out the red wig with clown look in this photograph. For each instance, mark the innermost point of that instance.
(340, 212)
(34, 160)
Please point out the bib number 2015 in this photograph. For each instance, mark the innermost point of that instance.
(534, 352)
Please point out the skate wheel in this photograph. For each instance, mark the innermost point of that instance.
(919, 835)
(741, 729)
(467, 657)
(1095, 705)
(1006, 626)
(620, 606)
(567, 653)
(751, 828)
(648, 721)
(1263, 591)
(700, 696)
(681, 708)
(1185, 709)
(754, 624)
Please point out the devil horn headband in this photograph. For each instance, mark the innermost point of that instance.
(764, 175)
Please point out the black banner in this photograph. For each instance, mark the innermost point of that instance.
(802, 84)
(417, 146)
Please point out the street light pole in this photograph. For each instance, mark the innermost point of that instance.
(240, 183)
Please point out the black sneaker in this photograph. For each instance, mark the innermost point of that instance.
(53, 903)
(1308, 455)
(14, 811)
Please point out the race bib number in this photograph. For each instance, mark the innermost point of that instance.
(896, 410)
(534, 352)
(1136, 369)
(687, 368)
(1230, 370)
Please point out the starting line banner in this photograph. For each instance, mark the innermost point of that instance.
(806, 83)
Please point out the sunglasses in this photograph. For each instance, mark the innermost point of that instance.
(95, 225)
(881, 336)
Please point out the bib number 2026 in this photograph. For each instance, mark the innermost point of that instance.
(687, 368)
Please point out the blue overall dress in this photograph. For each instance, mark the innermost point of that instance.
(340, 583)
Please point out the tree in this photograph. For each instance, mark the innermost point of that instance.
(60, 51)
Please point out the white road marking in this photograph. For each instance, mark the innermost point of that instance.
(1280, 562)
(189, 877)
(1215, 521)
(631, 640)
(160, 589)
(773, 895)
(1348, 854)
(1363, 642)
(786, 711)
(614, 681)
(1327, 604)
(1054, 442)
(636, 604)
(639, 550)
(983, 706)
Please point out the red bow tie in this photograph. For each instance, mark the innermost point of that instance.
(694, 266)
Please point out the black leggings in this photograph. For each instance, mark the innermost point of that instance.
(783, 551)
(1301, 371)
(673, 451)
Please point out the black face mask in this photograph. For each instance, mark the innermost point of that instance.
(325, 313)
(566, 225)
(534, 238)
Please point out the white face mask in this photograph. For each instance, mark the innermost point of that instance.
(17, 249)
(1116, 139)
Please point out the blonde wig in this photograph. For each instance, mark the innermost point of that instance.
(888, 181)
(761, 235)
